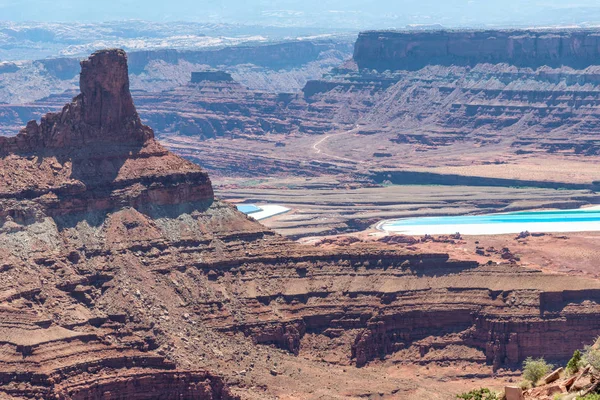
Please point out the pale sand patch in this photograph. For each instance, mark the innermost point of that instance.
(552, 169)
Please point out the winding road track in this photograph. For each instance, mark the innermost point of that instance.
(319, 142)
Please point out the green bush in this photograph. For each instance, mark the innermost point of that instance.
(594, 396)
(574, 362)
(535, 369)
(479, 394)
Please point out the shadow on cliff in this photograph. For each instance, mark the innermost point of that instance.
(95, 219)
(100, 189)
(439, 268)
(96, 171)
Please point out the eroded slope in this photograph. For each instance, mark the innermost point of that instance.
(121, 273)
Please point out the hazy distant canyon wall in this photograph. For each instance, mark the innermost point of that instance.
(276, 67)
(414, 50)
(514, 92)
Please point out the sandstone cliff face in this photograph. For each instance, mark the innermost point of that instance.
(93, 157)
(120, 273)
(414, 50)
(96, 154)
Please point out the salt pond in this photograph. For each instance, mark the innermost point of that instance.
(579, 220)
(264, 211)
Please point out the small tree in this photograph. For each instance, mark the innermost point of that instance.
(478, 394)
(535, 369)
(574, 362)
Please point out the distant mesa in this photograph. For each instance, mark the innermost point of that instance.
(8, 67)
(413, 50)
(211, 76)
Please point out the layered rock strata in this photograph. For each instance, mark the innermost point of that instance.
(223, 108)
(384, 301)
(40, 358)
(496, 108)
(495, 104)
(119, 271)
(93, 157)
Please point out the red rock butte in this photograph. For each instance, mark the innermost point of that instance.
(102, 114)
(67, 162)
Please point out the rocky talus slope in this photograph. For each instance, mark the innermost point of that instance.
(122, 276)
(57, 181)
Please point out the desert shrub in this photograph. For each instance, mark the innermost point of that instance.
(534, 369)
(591, 355)
(525, 385)
(479, 394)
(574, 362)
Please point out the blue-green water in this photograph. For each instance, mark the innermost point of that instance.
(248, 208)
(513, 217)
(513, 222)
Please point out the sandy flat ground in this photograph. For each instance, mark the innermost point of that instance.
(576, 254)
(326, 205)
(492, 229)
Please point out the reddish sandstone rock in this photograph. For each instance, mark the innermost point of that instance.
(102, 113)
(513, 393)
(553, 376)
(96, 154)
(116, 255)
(106, 100)
(584, 380)
(93, 157)
(548, 391)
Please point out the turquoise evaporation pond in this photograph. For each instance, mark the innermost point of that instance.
(558, 216)
(248, 208)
